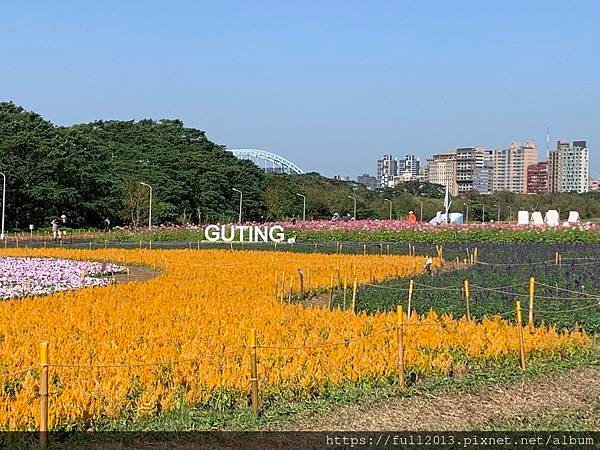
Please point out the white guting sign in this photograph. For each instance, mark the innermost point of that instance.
(244, 233)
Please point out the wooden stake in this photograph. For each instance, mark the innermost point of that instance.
(301, 272)
(411, 284)
(531, 295)
(467, 299)
(290, 291)
(253, 370)
(556, 258)
(400, 332)
(44, 360)
(364, 248)
(354, 295)
(345, 289)
(521, 338)
(331, 292)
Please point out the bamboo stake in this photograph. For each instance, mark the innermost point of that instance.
(410, 294)
(253, 370)
(400, 331)
(44, 360)
(531, 295)
(521, 338)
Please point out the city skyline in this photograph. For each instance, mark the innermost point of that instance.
(514, 168)
(328, 86)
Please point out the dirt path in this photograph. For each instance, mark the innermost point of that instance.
(576, 391)
(136, 273)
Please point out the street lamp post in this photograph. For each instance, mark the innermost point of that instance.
(303, 206)
(483, 213)
(388, 200)
(354, 215)
(421, 215)
(3, 203)
(498, 213)
(467, 214)
(241, 197)
(509, 213)
(150, 204)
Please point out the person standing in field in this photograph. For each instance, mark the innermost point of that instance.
(106, 225)
(411, 217)
(56, 231)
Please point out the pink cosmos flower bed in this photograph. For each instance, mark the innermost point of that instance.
(40, 276)
(403, 225)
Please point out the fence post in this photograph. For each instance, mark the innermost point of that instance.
(253, 370)
(364, 249)
(198, 245)
(331, 292)
(291, 287)
(467, 299)
(521, 338)
(411, 284)
(400, 329)
(44, 394)
(354, 295)
(301, 273)
(556, 259)
(345, 289)
(531, 295)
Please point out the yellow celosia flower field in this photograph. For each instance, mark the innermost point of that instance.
(136, 349)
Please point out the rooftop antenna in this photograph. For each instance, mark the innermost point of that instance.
(547, 142)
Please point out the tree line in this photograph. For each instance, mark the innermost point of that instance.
(94, 170)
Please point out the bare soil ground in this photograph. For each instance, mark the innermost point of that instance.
(573, 396)
(136, 273)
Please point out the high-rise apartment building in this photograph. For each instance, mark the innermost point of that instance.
(387, 169)
(367, 180)
(410, 165)
(537, 178)
(568, 167)
(467, 160)
(483, 174)
(510, 166)
(441, 169)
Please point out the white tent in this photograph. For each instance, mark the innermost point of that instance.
(455, 218)
(523, 218)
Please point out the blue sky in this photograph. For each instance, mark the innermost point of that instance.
(331, 85)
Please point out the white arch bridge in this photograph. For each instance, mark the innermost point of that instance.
(269, 161)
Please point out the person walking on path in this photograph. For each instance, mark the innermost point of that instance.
(56, 231)
(411, 217)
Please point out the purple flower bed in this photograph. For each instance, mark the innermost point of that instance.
(39, 276)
